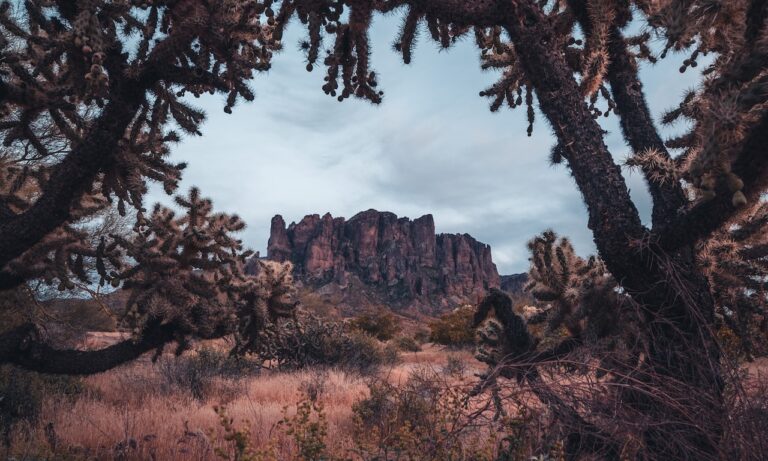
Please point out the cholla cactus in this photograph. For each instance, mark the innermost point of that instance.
(258, 320)
(731, 102)
(581, 303)
(657, 167)
(735, 263)
(602, 14)
(502, 335)
(587, 56)
(85, 114)
(190, 273)
(577, 294)
(66, 255)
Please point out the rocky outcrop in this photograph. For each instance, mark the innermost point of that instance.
(403, 261)
(514, 283)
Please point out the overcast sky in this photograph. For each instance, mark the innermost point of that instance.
(432, 146)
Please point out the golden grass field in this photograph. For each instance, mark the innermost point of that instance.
(124, 415)
(132, 413)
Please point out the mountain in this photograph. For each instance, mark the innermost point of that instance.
(514, 283)
(377, 258)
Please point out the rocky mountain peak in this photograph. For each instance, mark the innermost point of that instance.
(403, 261)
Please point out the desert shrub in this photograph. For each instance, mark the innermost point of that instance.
(309, 341)
(15, 307)
(382, 324)
(407, 344)
(195, 373)
(315, 385)
(747, 429)
(454, 328)
(421, 336)
(455, 366)
(22, 394)
(236, 444)
(365, 353)
(307, 427)
(84, 314)
(301, 343)
(423, 419)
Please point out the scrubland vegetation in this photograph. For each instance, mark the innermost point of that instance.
(207, 405)
(173, 409)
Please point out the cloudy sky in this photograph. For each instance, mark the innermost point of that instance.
(432, 146)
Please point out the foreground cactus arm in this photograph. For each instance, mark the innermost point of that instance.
(187, 280)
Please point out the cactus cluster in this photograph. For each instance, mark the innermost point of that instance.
(69, 253)
(69, 71)
(734, 261)
(502, 335)
(73, 82)
(577, 294)
(732, 100)
(189, 271)
(586, 54)
(87, 34)
(579, 302)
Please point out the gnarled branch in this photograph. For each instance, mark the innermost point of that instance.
(26, 347)
(69, 179)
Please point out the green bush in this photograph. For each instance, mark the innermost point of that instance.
(382, 324)
(454, 328)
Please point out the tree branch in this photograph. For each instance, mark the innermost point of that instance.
(70, 178)
(10, 281)
(637, 125)
(634, 116)
(5, 212)
(612, 214)
(706, 217)
(25, 347)
(481, 13)
(521, 363)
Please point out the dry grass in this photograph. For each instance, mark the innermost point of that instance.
(131, 413)
(125, 414)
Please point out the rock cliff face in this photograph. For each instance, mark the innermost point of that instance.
(402, 261)
(514, 283)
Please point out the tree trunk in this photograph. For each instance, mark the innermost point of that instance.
(682, 365)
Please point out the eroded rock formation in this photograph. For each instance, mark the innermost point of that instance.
(403, 261)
